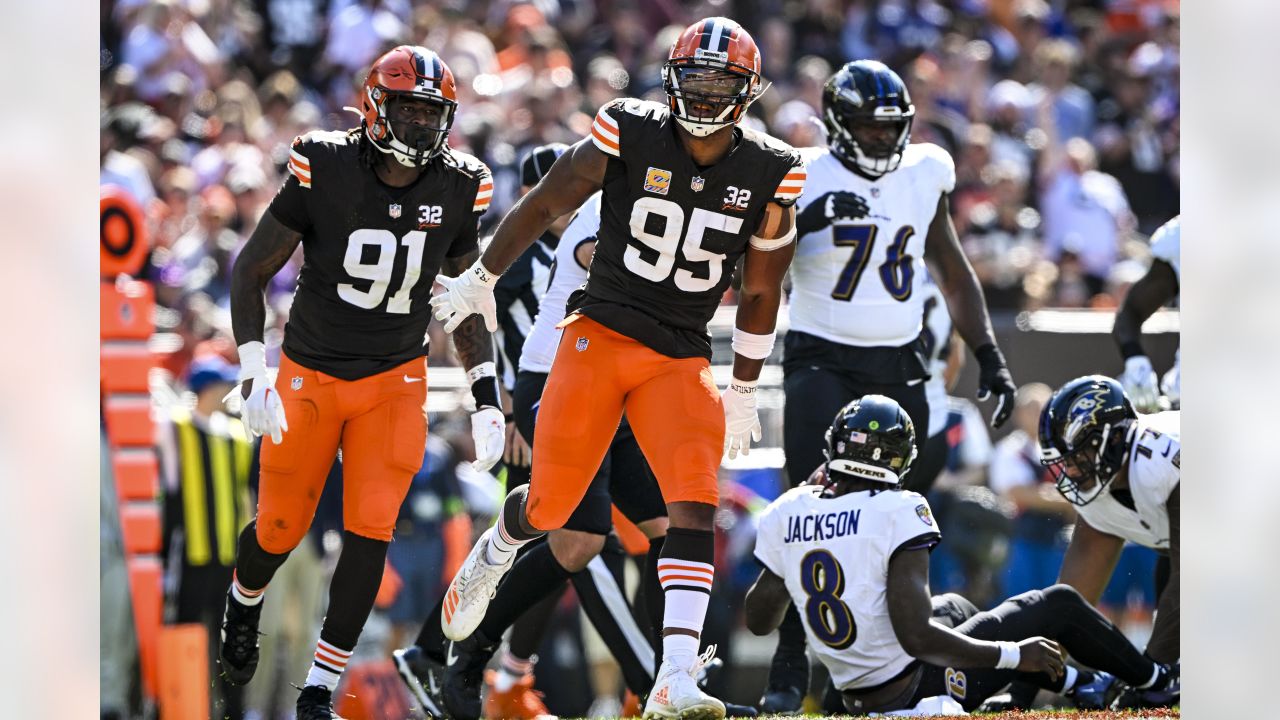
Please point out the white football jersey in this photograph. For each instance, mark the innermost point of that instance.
(1166, 245)
(1155, 461)
(937, 322)
(833, 554)
(566, 276)
(855, 282)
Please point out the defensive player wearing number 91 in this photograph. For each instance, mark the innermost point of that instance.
(686, 194)
(875, 208)
(378, 209)
(851, 548)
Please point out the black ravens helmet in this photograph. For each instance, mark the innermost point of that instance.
(862, 100)
(1084, 436)
(872, 438)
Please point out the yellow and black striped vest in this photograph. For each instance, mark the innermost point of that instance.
(213, 469)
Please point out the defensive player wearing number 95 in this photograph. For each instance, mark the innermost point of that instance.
(851, 549)
(686, 194)
(378, 209)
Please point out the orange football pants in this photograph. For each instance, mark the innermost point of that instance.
(380, 422)
(672, 404)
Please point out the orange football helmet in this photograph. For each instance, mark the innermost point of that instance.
(712, 75)
(409, 71)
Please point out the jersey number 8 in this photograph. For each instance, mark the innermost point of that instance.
(829, 617)
(379, 271)
(896, 272)
(668, 243)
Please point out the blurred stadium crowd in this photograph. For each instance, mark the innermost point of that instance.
(1062, 117)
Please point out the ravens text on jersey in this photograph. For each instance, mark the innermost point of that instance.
(370, 251)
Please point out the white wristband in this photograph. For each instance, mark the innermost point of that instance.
(482, 274)
(253, 360)
(483, 370)
(1010, 656)
(743, 387)
(750, 345)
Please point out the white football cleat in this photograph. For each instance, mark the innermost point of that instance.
(676, 694)
(468, 596)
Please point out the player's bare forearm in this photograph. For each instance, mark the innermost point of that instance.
(957, 279)
(1144, 298)
(762, 274)
(1165, 645)
(574, 176)
(766, 603)
(911, 614)
(472, 340)
(268, 249)
(1091, 558)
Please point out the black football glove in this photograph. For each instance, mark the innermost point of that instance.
(994, 377)
(826, 208)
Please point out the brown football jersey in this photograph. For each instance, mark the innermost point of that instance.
(371, 251)
(671, 232)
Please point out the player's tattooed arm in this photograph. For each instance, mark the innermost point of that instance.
(472, 340)
(957, 279)
(766, 603)
(1165, 635)
(1146, 296)
(268, 249)
(762, 274)
(570, 181)
(1090, 560)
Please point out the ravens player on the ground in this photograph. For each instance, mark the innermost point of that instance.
(876, 208)
(687, 193)
(378, 210)
(1123, 471)
(852, 548)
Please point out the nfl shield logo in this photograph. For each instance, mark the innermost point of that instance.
(582, 344)
(297, 383)
(394, 211)
(697, 184)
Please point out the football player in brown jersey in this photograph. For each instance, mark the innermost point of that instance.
(378, 211)
(687, 193)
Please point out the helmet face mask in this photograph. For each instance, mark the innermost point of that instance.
(859, 103)
(711, 76)
(416, 126)
(871, 438)
(1085, 434)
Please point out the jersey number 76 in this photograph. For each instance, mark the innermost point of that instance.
(829, 617)
(896, 272)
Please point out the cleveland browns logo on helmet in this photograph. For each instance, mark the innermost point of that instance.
(408, 71)
(712, 75)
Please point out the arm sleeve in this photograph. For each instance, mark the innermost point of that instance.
(792, 184)
(768, 535)
(604, 131)
(484, 192)
(290, 203)
(913, 525)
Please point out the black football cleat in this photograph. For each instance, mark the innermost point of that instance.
(238, 650)
(1168, 695)
(423, 676)
(464, 676)
(740, 711)
(315, 702)
(781, 699)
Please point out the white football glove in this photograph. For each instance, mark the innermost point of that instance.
(741, 421)
(488, 430)
(262, 412)
(1140, 384)
(470, 292)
